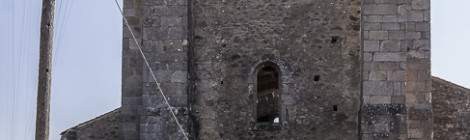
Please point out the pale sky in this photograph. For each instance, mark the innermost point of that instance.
(87, 61)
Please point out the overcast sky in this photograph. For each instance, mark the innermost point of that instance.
(87, 60)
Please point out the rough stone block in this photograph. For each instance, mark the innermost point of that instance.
(179, 77)
(420, 4)
(390, 46)
(416, 16)
(371, 26)
(390, 26)
(172, 21)
(390, 57)
(403, 10)
(398, 88)
(385, 66)
(418, 65)
(177, 2)
(176, 11)
(378, 35)
(415, 86)
(415, 133)
(421, 45)
(378, 75)
(368, 57)
(375, 88)
(396, 76)
(372, 18)
(152, 22)
(155, 34)
(419, 54)
(377, 100)
(390, 19)
(380, 9)
(413, 35)
(132, 101)
(398, 100)
(371, 46)
(423, 26)
(380, 125)
(397, 35)
(177, 33)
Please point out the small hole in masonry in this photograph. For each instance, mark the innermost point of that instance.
(316, 78)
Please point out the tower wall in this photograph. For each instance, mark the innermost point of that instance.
(396, 70)
(161, 28)
(220, 49)
(165, 41)
(304, 39)
(132, 70)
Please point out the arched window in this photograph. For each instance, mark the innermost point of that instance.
(267, 79)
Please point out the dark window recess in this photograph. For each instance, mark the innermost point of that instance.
(196, 37)
(335, 107)
(316, 78)
(221, 82)
(334, 39)
(267, 96)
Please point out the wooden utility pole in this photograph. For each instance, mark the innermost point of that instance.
(44, 82)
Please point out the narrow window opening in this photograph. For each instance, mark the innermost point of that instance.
(335, 107)
(267, 96)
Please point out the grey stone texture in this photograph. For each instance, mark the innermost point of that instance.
(303, 39)
(356, 69)
(104, 127)
(395, 54)
(132, 70)
(451, 110)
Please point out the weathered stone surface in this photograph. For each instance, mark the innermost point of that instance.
(401, 61)
(206, 55)
(451, 110)
(132, 72)
(304, 39)
(105, 127)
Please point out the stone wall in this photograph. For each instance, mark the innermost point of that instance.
(105, 127)
(206, 55)
(161, 28)
(315, 45)
(451, 110)
(132, 71)
(396, 70)
(165, 43)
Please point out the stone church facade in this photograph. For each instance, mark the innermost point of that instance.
(281, 69)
